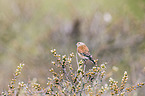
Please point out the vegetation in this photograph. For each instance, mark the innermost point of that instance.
(71, 82)
(112, 29)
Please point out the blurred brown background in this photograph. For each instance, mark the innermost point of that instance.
(114, 31)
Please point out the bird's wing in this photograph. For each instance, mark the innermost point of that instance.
(83, 50)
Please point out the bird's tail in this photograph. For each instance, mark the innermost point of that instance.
(90, 57)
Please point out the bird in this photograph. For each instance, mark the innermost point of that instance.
(83, 52)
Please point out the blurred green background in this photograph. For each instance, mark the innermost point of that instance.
(114, 31)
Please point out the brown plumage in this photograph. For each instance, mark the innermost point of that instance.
(83, 51)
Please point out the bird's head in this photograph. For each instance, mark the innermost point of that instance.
(80, 44)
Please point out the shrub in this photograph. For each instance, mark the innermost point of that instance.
(71, 82)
